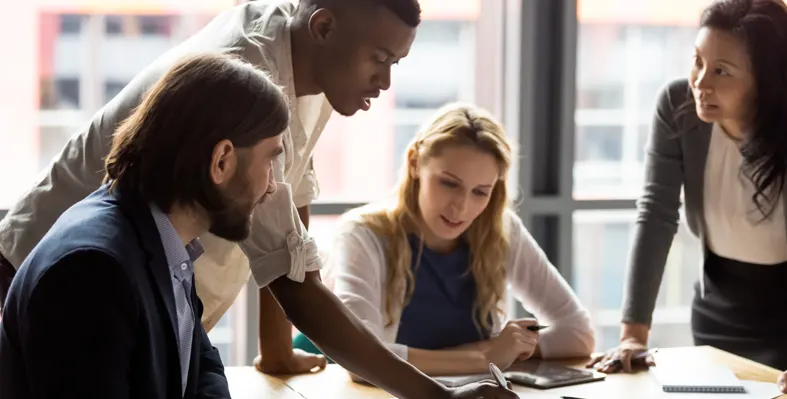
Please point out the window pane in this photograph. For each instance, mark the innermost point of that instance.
(624, 56)
(440, 68)
(601, 248)
(73, 64)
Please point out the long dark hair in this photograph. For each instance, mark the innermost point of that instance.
(762, 25)
(162, 151)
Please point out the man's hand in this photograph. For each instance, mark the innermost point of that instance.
(484, 390)
(300, 362)
(782, 382)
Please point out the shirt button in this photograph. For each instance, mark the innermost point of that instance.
(183, 266)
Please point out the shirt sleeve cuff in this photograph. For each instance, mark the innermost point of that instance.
(304, 256)
(297, 258)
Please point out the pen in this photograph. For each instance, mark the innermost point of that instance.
(639, 356)
(498, 375)
(537, 327)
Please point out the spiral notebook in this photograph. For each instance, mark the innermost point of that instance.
(707, 379)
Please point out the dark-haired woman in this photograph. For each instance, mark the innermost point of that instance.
(721, 136)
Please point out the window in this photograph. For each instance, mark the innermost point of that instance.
(69, 23)
(599, 144)
(601, 243)
(624, 57)
(136, 25)
(80, 60)
(111, 89)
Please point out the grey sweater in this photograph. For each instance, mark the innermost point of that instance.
(676, 151)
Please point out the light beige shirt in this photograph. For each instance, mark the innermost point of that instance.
(358, 264)
(260, 32)
(735, 227)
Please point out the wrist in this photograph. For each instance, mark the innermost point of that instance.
(631, 332)
(483, 356)
(274, 358)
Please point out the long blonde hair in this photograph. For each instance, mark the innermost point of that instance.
(456, 124)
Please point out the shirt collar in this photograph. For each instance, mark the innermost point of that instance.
(176, 253)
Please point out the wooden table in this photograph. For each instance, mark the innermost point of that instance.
(248, 383)
(335, 383)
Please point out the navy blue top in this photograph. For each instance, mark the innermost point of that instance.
(440, 311)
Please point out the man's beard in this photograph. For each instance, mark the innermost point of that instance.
(231, 220)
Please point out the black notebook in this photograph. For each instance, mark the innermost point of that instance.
(704, 379)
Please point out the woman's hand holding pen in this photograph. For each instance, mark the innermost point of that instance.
(515, 342)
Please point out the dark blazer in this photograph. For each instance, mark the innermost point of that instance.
(91, 313)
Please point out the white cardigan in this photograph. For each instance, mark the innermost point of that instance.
(358, 265)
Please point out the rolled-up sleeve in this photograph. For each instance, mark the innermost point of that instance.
(279, 244)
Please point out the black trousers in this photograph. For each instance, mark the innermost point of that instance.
(744, 310)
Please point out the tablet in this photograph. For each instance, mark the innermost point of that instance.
(544, 375)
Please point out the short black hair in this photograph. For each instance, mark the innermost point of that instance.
(409, 11)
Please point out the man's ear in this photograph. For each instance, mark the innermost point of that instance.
(223, 162)
(322, 24)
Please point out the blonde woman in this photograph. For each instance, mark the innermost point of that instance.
(427, 273)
